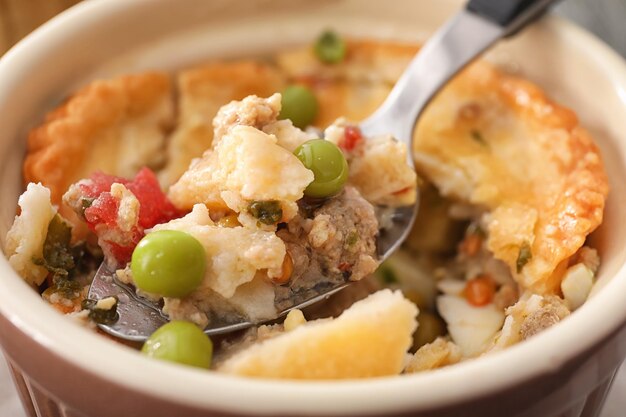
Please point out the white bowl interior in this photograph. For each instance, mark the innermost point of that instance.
(99, 39)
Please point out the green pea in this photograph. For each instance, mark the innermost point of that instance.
(328, 164)
(181, 342)
(330, 48)
(299, 105)
(169, 263)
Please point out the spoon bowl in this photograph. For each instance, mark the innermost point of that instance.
(457, 43)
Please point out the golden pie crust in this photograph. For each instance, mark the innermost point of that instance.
(368, 339)
(497, 141)
(355, 87)
(202, 91)
(116, 126)
(490, 139)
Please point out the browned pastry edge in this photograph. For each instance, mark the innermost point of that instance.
(55, 148)
(579, 208)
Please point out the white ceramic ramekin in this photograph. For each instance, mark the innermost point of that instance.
(63, 369)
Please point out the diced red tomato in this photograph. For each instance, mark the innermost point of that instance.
(123, 254)
(154, 208)
(102, 211)
(351, 138)
(102, 215)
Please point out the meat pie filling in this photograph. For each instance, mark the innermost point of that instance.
(247, 187)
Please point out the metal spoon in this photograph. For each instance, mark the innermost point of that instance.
(463, 38)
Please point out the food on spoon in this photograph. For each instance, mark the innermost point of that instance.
(498, 252)
(39, 248)
(102, 311)
(119, 211)
(329, 166)
(377, 166)
(254, 269)
(168, 263)
(245, 164)
(240, 263)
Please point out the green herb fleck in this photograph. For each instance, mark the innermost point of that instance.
(68, 288)
(524, 256)
(57, 252)
(478, 137)
(99, 315)
(330, 48)
(267, 212)
(352, 239)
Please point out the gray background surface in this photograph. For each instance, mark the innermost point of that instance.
(605, 18)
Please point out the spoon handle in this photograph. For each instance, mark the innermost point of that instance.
(510, 14)
(463, 38)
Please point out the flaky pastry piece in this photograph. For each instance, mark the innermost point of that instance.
(371, 61)
(498, 142)
(354, 87)
(369, 339)
(437, 354)
(116, 126)
(202, 91)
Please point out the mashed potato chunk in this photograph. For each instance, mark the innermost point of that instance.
(382, 174)
(25, 240)
(246, 164)
(378, 167)
(258, 169)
